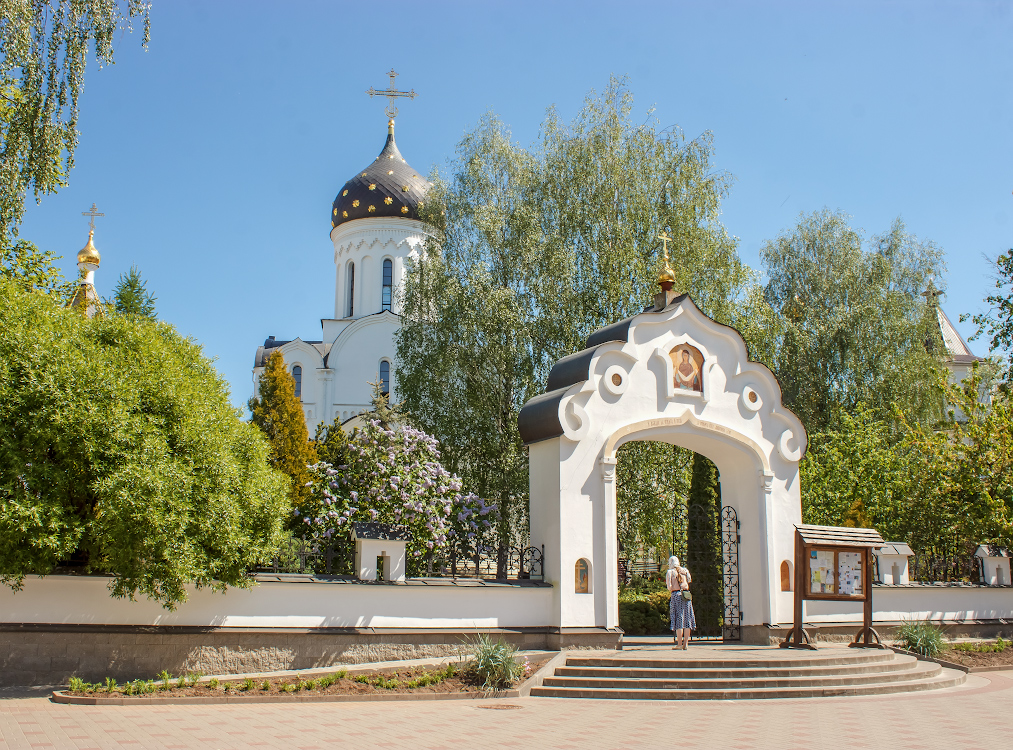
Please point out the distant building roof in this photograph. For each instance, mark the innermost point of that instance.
(956, 348)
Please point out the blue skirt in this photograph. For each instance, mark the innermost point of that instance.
(680, 612)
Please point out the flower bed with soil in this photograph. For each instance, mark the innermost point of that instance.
(448, 679)
(995, 653)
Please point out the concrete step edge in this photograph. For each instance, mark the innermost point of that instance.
(890, 666)
(937, 683)
(709, 684)
(591, 661)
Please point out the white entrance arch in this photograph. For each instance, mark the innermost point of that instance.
(624, 387)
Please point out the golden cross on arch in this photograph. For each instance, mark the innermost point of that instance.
(665, 239)
(392, 94)
(93, 213)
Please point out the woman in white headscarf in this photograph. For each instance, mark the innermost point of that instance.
(680, 606)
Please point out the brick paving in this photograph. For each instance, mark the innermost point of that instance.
(972, 716)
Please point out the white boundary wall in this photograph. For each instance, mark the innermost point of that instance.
(85, 600)
(936, 602)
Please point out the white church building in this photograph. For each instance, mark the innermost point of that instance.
(375, 228)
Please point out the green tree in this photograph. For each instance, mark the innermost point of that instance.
(860, 472)
(330, 443)
(964, 473)
(652, 484)
(120, 451)
(131, 296)
(44, 48)
(703, 541)
(997, 321)
(849, 325)
(33, 270)
(533, 250)
(278, 413)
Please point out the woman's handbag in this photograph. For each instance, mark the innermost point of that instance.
(686, 595)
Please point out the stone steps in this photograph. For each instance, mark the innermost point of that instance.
(741, 676)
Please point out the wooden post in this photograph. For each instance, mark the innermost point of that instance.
(867, 637)
(798, 638)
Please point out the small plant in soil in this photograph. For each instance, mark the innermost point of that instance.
(983, 647)
(495, 663)
(923, 638)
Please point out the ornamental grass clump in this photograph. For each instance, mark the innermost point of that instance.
(922, 638)
(495, 663)
(393, 476)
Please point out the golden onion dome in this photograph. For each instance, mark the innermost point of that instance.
(667, 276)
(89, 253)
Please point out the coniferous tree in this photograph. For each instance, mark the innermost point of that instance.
(131, 296)
(330, 442)
(704, 545)
(279, 414)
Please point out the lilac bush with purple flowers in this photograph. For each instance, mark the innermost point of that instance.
(394, 476)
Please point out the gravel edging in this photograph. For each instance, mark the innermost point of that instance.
(61, 696)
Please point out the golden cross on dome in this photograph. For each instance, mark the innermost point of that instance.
(392, 94)
(93, 213)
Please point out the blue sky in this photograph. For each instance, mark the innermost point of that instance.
(215, 155)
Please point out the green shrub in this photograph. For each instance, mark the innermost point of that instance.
(495, 663)
(643, 618)
(213, 683)
(923, 638)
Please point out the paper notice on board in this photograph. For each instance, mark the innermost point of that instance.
(849, 573)
(821, 571)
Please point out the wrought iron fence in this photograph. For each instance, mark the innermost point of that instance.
(486, 561)
(931, 567)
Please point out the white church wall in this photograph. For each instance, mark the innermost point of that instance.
(355, 360)
(85, 600)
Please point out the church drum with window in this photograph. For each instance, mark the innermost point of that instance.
(375, 228)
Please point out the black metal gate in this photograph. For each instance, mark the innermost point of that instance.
(732, 619)
(715, 572)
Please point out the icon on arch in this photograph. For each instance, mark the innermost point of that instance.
(687, 367)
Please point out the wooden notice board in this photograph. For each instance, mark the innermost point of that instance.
(834, 563)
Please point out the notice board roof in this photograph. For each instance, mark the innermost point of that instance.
(840, 536)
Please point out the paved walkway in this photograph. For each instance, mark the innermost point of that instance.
(975, 715)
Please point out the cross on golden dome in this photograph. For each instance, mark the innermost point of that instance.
(93, 213)
(392, 94)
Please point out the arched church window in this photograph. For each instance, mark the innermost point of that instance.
(297, 376)
(351, 289)
(385, 376)
(388, 282)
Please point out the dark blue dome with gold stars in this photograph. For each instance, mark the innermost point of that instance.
(389, 187)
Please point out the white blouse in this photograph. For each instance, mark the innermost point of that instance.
(672, 579)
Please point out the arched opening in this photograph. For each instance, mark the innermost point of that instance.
(297, 377)
(388, 284)
(786, 576)
(350, 286)
(385, 377)
(669, 502)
